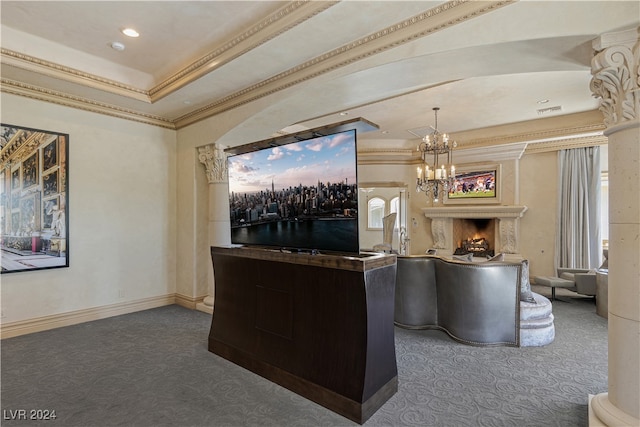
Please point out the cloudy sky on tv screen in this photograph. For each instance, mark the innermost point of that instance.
(329, 158)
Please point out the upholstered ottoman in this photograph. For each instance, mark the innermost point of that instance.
(553, 283)
(536, 322)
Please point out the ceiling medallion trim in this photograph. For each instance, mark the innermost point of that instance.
(40, 66)
(298, 12)
(436, 19)
(29, 91)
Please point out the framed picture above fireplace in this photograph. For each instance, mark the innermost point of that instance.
(478, 184)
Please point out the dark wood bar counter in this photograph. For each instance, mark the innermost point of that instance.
(319, 325)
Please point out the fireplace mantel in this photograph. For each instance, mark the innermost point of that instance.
(473, 212)
(506, 230)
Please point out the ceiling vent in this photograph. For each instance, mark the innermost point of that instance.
(548, 110)
(421, 131)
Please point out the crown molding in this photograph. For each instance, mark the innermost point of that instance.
(435, 19)
(283, 20)
(386, 156)
(71, 75)
(494, 153)
(286, 18)
(34, 92)
(381, 184)
(566, 143)
(499, 151)
(534, 136)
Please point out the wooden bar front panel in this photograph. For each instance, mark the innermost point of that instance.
(324, 332)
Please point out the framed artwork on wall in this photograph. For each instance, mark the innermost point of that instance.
(34, 202)
(479, 184)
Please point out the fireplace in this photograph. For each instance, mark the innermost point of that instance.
(499, 228)
(476, 236)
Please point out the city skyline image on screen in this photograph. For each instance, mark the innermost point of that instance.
(298, 196)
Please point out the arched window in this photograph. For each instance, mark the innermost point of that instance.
(375, 210)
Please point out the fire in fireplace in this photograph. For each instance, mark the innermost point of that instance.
(475, 245)
(475, 236)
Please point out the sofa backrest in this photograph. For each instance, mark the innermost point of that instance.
(418, 275)
(479, 301)
(476, 303)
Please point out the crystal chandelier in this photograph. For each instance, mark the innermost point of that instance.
(437, 173)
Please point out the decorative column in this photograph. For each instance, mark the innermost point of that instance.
(441, 230)
(616, 78)
(508, 228)
(215, 161)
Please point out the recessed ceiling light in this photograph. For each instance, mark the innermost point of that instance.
(117, 46)
(543, 101)
(130, 32)
(344, 113)
(186, 102)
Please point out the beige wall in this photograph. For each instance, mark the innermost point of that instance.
(138, 210)
(122, 215)
(539, 192)
(530, 181)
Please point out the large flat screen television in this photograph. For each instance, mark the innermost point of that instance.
(301, 196)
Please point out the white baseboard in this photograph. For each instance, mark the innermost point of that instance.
(38, 324)
(188, 302)
(201, 306)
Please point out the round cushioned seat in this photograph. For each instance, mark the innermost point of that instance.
(536, 322)
(535, 310)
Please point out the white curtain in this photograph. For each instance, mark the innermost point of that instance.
(578, 242)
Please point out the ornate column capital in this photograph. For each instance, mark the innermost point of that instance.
(214, 159)
(616, 76)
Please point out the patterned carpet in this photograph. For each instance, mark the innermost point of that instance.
(152, 368)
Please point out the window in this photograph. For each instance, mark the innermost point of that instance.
(375, 210)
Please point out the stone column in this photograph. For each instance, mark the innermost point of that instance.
(616, 78)
(442, 232)
(508, 228)
(215, 161)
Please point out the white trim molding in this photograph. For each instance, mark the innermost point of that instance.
(38, 324)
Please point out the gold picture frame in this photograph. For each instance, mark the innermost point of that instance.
(476, 184)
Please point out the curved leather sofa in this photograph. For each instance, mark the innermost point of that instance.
(475, 303)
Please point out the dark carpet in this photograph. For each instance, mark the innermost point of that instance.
(152, 368)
